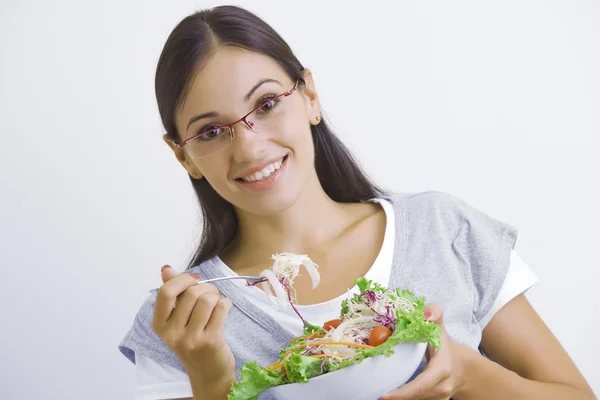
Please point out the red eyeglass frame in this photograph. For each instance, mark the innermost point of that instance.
(249, 124)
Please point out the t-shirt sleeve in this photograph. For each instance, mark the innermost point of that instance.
(142, 340)
(519, 279)
(155, 380)
(481, 245)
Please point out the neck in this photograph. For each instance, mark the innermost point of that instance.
(311, 222)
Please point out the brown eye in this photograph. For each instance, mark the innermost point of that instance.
(210, 134)
(269, 106)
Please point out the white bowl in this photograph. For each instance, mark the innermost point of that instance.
(369, 380)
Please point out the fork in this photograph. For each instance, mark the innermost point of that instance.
(253, 279)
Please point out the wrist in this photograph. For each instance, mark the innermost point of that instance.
(468, 361)
(213, 390)
(210, 392)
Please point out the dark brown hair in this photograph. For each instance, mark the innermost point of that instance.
(191, 42)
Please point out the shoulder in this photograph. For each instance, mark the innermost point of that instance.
(440, 210)
(444, 236)
(430, 201)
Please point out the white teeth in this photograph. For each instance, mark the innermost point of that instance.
(264, 173)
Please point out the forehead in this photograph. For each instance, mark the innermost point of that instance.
(225, 78)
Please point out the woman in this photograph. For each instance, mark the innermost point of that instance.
(242, 117)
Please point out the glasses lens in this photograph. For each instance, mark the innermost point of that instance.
(209, 143)
(268, 115)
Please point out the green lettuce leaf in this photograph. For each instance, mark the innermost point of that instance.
(410, 297)
(254, 380)
(411, 327)
(345, 308)
(365, 284)
(310, 328)
(301, 368)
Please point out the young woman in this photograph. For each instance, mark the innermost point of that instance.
(242, 116)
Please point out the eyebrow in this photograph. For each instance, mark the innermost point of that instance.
(213, 114)
(259, 84)
(195, 118)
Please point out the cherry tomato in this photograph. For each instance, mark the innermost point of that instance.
(334, 323)
(379, 335)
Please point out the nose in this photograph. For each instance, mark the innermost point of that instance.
(248, 145)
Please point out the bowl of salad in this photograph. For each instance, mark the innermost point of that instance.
(374, 346)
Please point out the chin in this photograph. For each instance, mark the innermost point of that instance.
(270, 205)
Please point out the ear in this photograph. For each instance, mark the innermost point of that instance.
(313, 103)
(182, 157)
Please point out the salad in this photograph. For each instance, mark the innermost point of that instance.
(371, 323)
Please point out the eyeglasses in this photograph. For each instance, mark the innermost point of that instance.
(213, 139)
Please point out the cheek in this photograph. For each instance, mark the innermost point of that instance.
(221, 185)
(214, 171)
(304, 147)
(296, 135)
(301, 144)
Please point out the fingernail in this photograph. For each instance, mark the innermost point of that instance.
(195, 276)
(385, 398)
(427, 314)
(164, 266)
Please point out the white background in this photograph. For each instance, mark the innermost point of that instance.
(498, 104)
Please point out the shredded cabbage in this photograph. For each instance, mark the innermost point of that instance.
(281, 275)
(321, 351)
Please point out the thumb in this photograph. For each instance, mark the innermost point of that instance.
(433, 312)
(167, 273)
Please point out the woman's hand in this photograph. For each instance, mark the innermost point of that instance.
(190, 319)
(442, 376)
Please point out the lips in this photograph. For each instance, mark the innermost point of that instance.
(265, 172)
(262, 172)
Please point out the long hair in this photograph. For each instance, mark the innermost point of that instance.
(192, 42)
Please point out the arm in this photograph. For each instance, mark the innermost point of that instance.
(525, 361)
(190, 318)
(217, 390)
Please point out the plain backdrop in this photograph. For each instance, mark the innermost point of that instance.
(497, 103)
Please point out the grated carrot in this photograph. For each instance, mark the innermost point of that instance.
(349, 344)
(316, 334)
(273, 367)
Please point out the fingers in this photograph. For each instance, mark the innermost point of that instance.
(431, 381)
(167, 296)
(433, 312)
(434, 382)
(201, 312)
(445, 343)
(203, 296)
(216, 323)
(167, 273)
(415, 389)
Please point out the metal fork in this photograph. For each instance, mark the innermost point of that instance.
(253, 279)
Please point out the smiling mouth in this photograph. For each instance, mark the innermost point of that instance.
(265, 173)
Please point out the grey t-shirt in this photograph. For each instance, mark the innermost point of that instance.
(444, 250)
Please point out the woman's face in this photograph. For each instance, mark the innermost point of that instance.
(265, 168)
